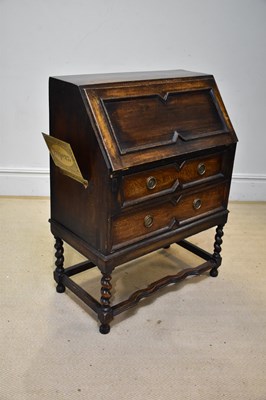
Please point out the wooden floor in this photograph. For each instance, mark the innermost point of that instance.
(202, 339)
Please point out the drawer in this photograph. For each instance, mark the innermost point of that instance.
(134, 226)
(159, 181)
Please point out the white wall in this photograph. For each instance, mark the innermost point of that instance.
(42, 38)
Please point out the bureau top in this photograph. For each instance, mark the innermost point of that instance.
(98, 79)
(142, 117)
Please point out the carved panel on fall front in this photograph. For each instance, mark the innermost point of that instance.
(145, 122)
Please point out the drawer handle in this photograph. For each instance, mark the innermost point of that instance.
(201, 169)
(151, 182)
(197, 204)
(148, 221)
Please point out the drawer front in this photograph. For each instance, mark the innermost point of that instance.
(138, 225)
(159, 181)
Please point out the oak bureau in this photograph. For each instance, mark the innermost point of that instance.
(139, 161)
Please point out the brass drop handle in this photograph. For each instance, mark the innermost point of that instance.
(197, 204)
(148, 221)
(201, 169)
(151, 182)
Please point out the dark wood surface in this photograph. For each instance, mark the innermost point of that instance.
(130, 227)
(142, 144)
(169, 178)
(129, 118)
(78, 117)
(111, 78)
(157, 150)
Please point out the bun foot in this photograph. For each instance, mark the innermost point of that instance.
(214, 272)
(104, 329)
(60, 288)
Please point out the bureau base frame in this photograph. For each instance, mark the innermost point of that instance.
(105, 311)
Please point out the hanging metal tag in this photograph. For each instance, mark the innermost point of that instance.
(63, 157)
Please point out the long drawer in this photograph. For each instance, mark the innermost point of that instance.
(136, 225)
(156, 182)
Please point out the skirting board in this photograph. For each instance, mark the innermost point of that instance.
(248, 187)
(35, 182)
(24, 182)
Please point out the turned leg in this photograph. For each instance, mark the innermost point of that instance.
(106, 313)
(216, 257)
(58, 273)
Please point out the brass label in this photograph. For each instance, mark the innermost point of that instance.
(63, 157)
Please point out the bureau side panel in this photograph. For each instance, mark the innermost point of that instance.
(79, 210)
